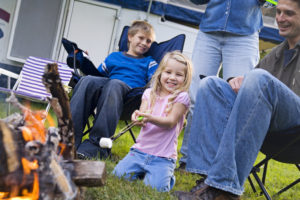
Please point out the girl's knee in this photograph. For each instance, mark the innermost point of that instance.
(161, 185)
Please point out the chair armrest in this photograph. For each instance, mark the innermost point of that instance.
(8, 73)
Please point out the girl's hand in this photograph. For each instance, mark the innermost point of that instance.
(136, 117)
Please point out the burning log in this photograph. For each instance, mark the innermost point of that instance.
(61, 107)
(30, 164)
(10, 167)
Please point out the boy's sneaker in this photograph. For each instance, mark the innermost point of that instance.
(81, 156)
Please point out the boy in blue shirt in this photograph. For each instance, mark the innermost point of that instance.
(121, 72)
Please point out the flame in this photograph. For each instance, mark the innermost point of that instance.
(50, 121)
(28, 167)
(3, 195)
(62, 148)
(34, 128)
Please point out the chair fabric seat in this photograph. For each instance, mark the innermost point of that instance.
(29, 84)
(283, 146)
(31, 77)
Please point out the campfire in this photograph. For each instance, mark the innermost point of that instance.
(38, 162)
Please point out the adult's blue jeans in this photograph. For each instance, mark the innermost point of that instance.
(228, 129)
(107, 97)
(238, 54)
(158, 172)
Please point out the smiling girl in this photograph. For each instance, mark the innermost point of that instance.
(163, 109)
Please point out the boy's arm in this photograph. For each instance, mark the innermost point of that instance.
(103, 69)
(178, 110)
(151, 69)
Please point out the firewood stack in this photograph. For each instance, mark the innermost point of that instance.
(37, 163)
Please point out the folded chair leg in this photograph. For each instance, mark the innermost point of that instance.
(261, 185)
(251, 184)
(290, 185)
(265, 173)
(287, 187)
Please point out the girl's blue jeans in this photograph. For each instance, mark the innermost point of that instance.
(158, 172)
(228, 129)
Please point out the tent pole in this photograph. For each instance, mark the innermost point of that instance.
(149, 8)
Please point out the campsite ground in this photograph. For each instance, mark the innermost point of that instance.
(278, 176)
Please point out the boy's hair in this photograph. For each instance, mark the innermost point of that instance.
(156, 84)
(143, 26)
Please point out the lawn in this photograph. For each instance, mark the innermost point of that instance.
(279, 175)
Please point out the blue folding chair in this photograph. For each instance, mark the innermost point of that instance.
(133, 98)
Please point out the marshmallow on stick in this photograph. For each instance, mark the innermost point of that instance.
(107, 142)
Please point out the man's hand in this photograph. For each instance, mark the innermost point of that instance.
(236, 83)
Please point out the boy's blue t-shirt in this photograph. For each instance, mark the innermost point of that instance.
(135, 72)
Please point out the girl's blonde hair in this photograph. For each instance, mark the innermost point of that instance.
(156, 84)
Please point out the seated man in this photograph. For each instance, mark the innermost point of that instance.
(122, 71)
(232, 119)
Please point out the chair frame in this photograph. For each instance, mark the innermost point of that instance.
(278, 156)
(18, 77)
(124, 116)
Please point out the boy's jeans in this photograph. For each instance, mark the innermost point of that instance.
(107, 95)
(158, 172)
(228, 129)
(237, 53)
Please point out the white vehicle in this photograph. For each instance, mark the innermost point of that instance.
(36, 27)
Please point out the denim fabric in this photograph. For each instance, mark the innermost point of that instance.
(238, 55)
(107, 96)
(233, 16)
(158, 172)
(228, 129)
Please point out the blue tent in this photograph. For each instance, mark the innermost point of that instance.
(184, 12)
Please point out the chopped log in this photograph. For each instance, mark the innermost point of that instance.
(64, 184)
(88, 173)
(61, 107)
(10, 167)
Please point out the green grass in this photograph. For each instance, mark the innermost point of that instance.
(278, 175)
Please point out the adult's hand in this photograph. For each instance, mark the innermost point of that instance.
(236, 83)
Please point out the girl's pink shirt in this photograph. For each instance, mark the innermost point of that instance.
(160, 141)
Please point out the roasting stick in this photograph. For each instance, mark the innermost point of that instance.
(107, 142)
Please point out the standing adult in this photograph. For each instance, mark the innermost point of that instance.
(228, 35)
(232, 119)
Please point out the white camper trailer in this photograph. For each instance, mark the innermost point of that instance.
(36, 27)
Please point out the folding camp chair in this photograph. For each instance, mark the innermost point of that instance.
(156, 51)
(133, 99)
(29, 83)
(282, 146)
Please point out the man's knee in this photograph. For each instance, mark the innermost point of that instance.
(257, 77)
(210, 82)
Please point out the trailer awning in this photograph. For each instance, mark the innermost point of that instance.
(187, 12)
